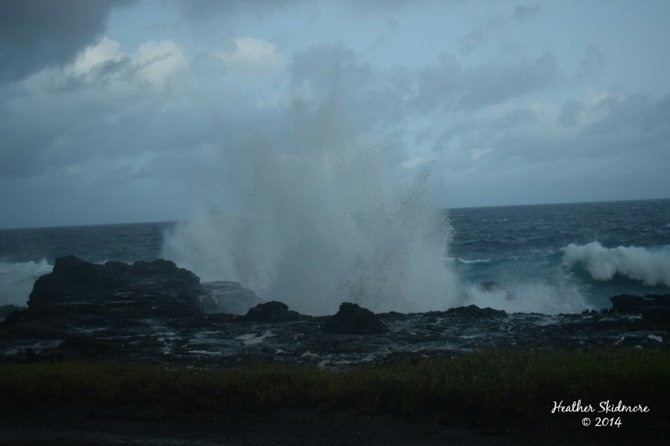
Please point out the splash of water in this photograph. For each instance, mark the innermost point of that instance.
(314, 225)
(17, 278)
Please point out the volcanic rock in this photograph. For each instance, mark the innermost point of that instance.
(475, 311)
(144, 289)
(657, 316)
(352, 319)
(270, 312)
(627, 304)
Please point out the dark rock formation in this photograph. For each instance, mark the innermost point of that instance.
(627, 304)
(270, 312)
(352, 319)
(657, 316)
(150, 311)
(144, 289)
(475, 311)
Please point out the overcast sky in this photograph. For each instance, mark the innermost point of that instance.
(120, 111)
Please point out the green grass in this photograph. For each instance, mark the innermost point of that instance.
(510, 382)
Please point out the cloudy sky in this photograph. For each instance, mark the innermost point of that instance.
(125, 111)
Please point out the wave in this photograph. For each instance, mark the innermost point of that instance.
(17, 279)
(651, 266)
(532, 283)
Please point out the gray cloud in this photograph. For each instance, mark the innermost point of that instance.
(496, 82)
(496, 25)
(592, 65)
(524, 12)
(615, 133)
(107, 122)
(632, 126)
(360, 95)
(450, 87)
(570, 113)
(39, 33)
(207, 9)
(217, 9)
(101, 140)
(622, 156)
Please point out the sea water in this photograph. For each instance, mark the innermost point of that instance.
(562, 257)
(542, 258)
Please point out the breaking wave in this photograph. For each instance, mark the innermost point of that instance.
(532, 283)
(649, 266)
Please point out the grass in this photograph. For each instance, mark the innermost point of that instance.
(499, 382)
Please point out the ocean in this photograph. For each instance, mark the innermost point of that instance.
(563, 257)
(560, 258)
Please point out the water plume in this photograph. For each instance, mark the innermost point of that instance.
(314, 217)
(17, 278)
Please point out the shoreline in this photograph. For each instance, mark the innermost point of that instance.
(128, 354)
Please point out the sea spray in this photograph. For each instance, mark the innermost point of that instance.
(17, 278)
(315, 224)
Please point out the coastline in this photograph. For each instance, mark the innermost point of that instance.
(117, 354)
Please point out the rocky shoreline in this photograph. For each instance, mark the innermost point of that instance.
(157, 312)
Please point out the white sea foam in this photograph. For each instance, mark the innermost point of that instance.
(17, 279)
(254, 338)
(651, 267)
(528, 297)
(471, 261)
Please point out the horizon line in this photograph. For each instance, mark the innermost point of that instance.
(145, 222)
